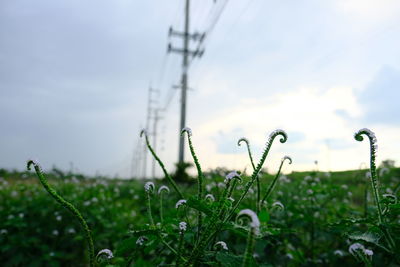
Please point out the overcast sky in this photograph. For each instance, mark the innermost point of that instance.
(74, 77)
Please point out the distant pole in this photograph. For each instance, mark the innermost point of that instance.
(185, 68)
(148, 117)
(156, 119)
(184, 83)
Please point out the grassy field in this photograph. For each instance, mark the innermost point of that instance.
(310, 219)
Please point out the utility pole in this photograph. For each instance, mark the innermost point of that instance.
(186, 52)
(156, 118)
(148, 117)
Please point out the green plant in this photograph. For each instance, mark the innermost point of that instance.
(66, 205)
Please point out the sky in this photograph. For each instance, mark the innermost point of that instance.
(74, 80)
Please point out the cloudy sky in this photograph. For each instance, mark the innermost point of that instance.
(74, 79)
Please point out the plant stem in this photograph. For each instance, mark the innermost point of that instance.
(171, 181)
(68, 206)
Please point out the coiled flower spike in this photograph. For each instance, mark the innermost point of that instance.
(268, 145)
(374, 179)
(200, 177)
(108, 253)
(163, 188)
(149, 188)
(255, 230)
(272, 185)
(170, 180)
(160, 193)
(243, 139)
(221, 244)
(210, 197)
(66, 205)
(180, 203)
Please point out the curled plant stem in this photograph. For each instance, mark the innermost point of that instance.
(169, 178)
(66, 205)
(248, 254)
(200, 190)
(272, 185)
(149, 208)
(271, 138)
(374, 178)
(254, 230)
(254, 167)
(374, 181)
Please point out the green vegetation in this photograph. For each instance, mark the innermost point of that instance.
(229, 219)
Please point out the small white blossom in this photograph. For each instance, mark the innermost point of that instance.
(231, 175)
(108, 253)
(180, 202)
(55, 232)
(3, 231)
(278, 204)
(221, 244)
(255, 222)
(368, 252)
(210, 197)
(71, 231)
(140, 241)
(163, 188)
(354, 247)
(338, 253)
(182, 227)
(59, 218)
(188, 130)
(149, 187)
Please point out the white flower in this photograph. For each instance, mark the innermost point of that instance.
(3, 231)
(163, 188)
(59, 218)
(221, 244)
(368, 252)
(108, 253)
(55, 232)
(255, 222)
(71, 231)
(188, 130)
(210, 197)
(140, 241)
(279, 205)
(231, 175)
(182, 227)
(354, 247)
(149, 187)
(338, 253)
(180, 203)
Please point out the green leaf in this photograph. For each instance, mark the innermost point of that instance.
(369, 237)
(264, 216)
(202, 205)
(229, 260)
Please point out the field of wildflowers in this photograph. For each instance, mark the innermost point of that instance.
(223, 218)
